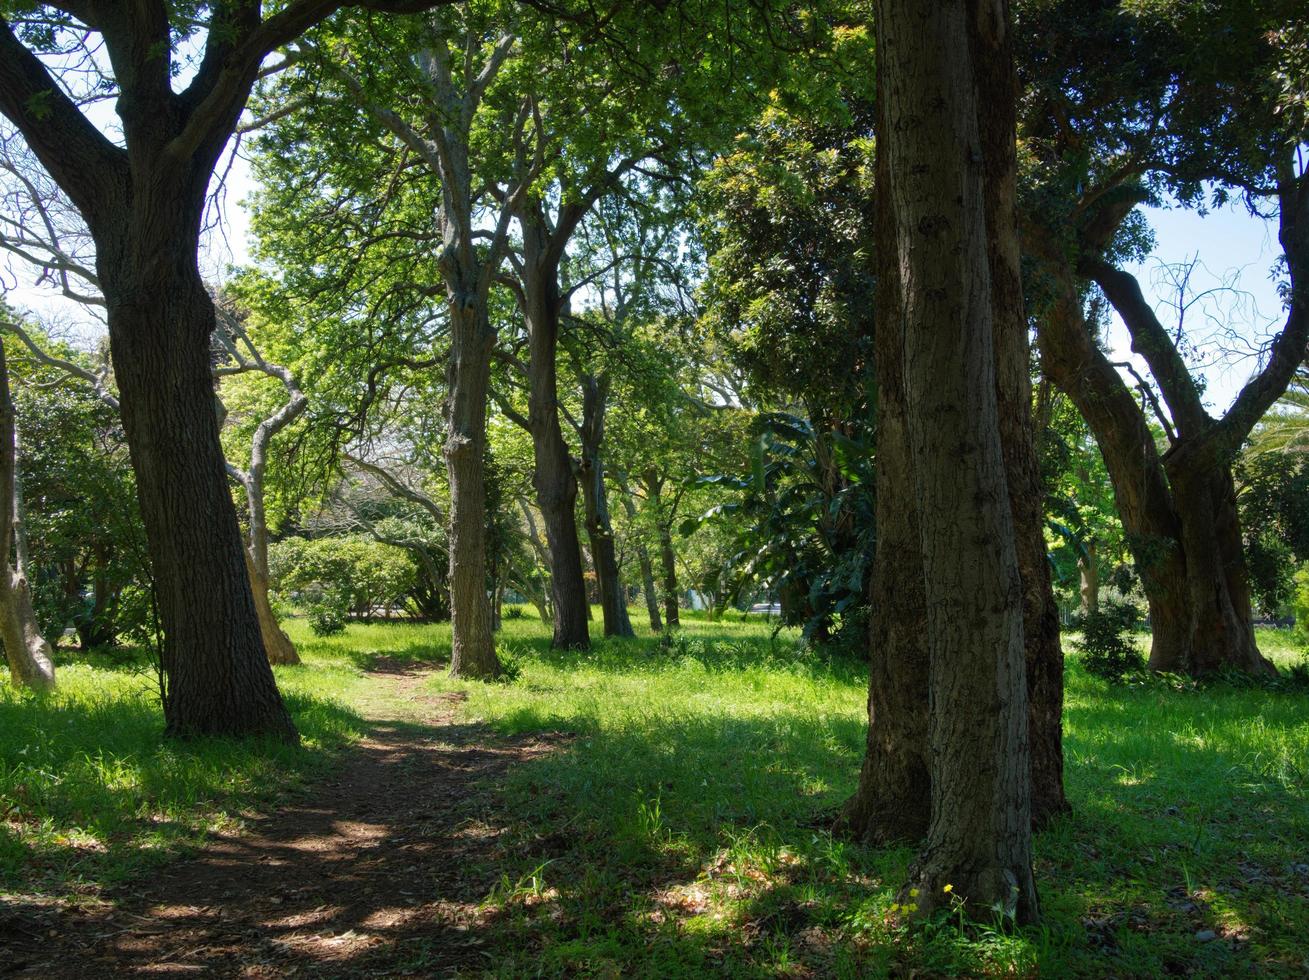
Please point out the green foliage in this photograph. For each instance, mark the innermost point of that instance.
(1273, 500)
(787, 219)
(1109, 650)
(1300, 603)
(338, 578)
(85, 538)
(804, 523)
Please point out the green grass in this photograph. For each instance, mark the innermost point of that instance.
(677, 832)
(90, 794)
(681, 828)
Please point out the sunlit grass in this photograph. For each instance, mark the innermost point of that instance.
(91, 794)
(680, 828)
(683, 828)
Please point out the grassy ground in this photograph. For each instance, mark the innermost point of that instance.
(680, 831)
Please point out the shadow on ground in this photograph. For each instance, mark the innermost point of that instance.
(380, 870)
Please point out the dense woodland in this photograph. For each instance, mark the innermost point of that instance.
(575, 345)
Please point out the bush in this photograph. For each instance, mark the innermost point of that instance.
(326, 621)
(336, 578)
(1108, 650)
(1300, 604)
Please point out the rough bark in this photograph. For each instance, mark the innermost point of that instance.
(552, 475)
(472, 651)
(218, 678)
(599, 527)
(893, 799)
(143, 205)
(30, 657)
(979, 837)
(997, 91)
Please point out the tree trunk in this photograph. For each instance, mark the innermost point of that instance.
(30, 657)
(1217, 584)
(643, 559)
(160, 320)
(997, 91)
(893, 799)
(979, 838)
(1088, 573)
(671, 590)
(472, 645)
(278, 645)
(552, 477)
(599, 528)
(648, 588)
(1180, 518)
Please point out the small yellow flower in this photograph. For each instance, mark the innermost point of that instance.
(948, 888)
(913, 892)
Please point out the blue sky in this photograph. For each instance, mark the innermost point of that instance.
(1236, 252)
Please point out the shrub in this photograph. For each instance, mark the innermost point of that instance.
(326, 620)
(1300, 604)
(1108, 650)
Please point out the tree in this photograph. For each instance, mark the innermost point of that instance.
(936, 63)
(31, 660)
(85, 544)
(787, 218)
(243, 357)
(454, 58)
(1104, 133)
(892, 801)
(143, 201)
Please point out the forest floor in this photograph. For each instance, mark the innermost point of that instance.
(645, 809)
(380, 869)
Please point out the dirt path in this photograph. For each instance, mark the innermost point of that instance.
(378, 872)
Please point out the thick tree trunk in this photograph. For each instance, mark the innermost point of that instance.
(893, 799)
(979, 838)
(552, 477)
(472, 650)
(599, 527)
(997, 91)
(160, 320)
(671, 591)
(1217, 584)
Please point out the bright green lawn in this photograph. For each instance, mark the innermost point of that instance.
(678, 832)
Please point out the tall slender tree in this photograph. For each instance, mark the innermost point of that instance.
(31, 660)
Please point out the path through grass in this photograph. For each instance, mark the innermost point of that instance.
(680, 827)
